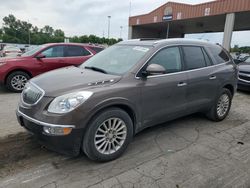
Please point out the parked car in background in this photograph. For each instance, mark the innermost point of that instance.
(243, 60)
(10, 51)
(247, 59)
(99, 106)
(244, 75)
(15, 72)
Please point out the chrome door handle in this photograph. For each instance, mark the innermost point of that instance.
(181, 84)
(212, 77)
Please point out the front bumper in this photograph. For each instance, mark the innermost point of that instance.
(68, 144)
(243, 85)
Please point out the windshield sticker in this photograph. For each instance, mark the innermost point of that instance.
(141, 49)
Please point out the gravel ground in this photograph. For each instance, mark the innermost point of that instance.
(188, 152)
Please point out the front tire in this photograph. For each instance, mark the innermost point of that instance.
(108, 135)
(16, 81)
(221, 107)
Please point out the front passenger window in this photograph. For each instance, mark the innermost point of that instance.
(169, 58)
(55, 51)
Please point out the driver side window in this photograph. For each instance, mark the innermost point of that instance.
(55, 51)
(169, 58)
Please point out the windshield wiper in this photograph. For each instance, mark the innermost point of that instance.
(96, 69)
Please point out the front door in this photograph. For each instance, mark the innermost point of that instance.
(53, 59)
(164, 96)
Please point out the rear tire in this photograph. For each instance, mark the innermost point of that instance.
(221, 106)
(108, 135)
(16, 81)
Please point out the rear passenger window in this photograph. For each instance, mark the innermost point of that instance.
(96, 49)
(219, 54)
(73, 51)
(169, 58)
(194, 57)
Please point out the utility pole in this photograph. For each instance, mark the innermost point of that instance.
(130, 6)
(109, 17)
(28, 32)
(120, 32)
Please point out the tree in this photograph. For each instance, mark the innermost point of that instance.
(17, 31)
(59, 33)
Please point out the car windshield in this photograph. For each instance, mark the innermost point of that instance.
(247, 60)
(33, 51)
(117, 59)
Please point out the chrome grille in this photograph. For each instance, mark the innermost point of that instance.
(31, 94)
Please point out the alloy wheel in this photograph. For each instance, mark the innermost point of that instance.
(223, 105)
(18, 82)
(110, 136)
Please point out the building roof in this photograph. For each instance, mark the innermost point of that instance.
(181, 11)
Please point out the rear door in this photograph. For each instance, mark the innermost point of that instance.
(201, 84)
(76, 55)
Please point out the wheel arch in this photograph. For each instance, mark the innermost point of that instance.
(15, 70)
(230, 87)
(123, 105)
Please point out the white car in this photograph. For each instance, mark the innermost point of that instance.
(10, 51)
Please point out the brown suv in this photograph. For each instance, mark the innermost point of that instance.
(99, 106)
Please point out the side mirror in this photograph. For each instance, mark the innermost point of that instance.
(154, 69)
(40, 56)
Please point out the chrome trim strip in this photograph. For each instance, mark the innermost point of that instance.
(43, 93)
(42, 123)
(185, 71)
(243, 80)
(244, 74)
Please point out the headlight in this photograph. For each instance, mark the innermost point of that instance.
(2, 63)
(68, 102)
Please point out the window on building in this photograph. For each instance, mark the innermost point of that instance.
(207, 12)
(179, 15)
(155, 18)
(137, 21)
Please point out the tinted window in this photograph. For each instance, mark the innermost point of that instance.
(55, 51)
(207, 58)
(219, 54)
(96, 49)
(169, 58)
(73, 51)
(194, 57)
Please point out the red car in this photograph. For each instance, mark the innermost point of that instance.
(15, 72)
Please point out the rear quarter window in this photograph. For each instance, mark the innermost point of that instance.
(219, 54)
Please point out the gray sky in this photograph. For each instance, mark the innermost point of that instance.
(80, 17)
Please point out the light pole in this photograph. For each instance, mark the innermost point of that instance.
(121, 32)
(109, 17)
(28, 32)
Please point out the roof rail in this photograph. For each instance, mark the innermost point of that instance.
(144, 39)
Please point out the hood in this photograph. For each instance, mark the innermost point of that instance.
(245, 67)
(12, 59)
(69, 79)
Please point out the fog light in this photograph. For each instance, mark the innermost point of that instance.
(57, 130)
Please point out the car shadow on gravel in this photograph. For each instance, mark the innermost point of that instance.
(4, 90)
(22, 151)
